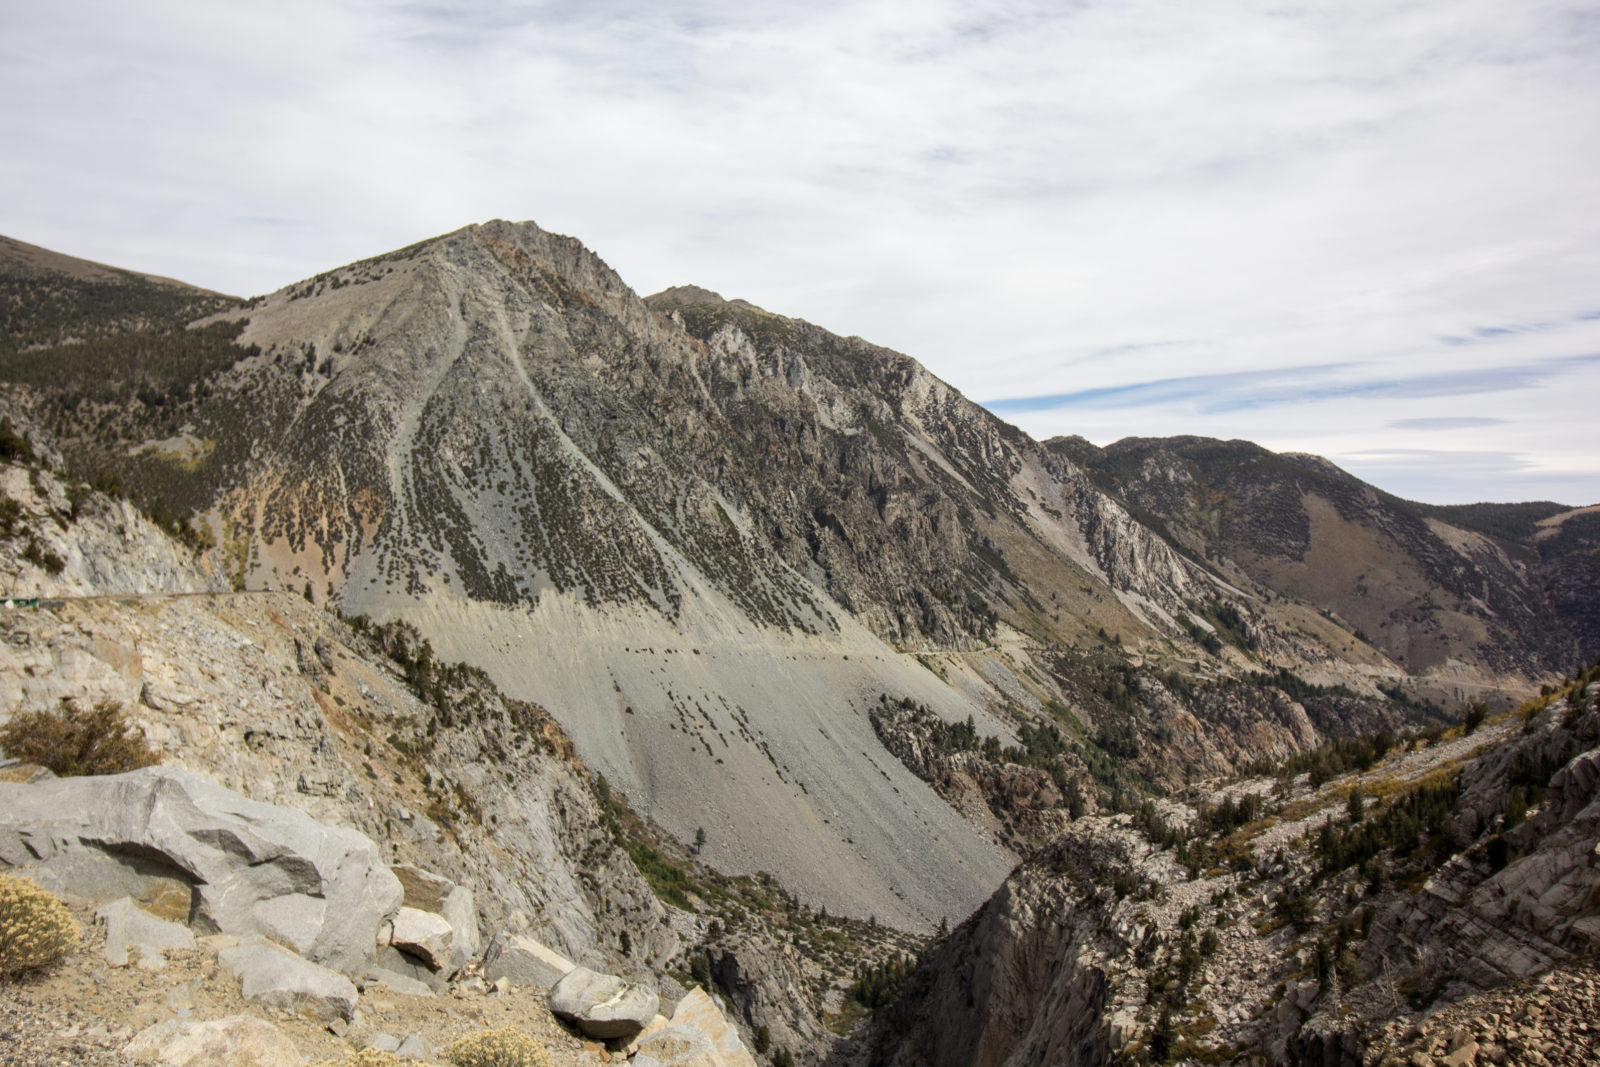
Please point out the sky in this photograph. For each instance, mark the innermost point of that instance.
(1368, 230)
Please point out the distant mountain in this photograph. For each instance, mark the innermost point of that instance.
(1509, 588)
(712, 539)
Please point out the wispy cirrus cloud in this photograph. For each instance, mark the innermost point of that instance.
(1213, 394)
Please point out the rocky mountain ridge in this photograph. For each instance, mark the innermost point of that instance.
(1427, 585)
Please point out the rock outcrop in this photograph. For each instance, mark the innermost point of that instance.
(676, 1046)
(699, 1011)
(524, 962)
(251, 868)
(425, 935)
(219, 691)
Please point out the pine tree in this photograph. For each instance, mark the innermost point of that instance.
(1163, 1038)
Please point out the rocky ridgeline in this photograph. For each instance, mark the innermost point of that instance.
(1425, 591)
(1320, 933)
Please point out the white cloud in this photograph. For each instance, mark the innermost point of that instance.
(1035, 199)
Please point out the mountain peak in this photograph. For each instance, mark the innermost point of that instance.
(685, 295)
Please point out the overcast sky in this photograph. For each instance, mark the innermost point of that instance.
(1364, 228)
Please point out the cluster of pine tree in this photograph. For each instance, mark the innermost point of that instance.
(1398, 827)
(877, 986)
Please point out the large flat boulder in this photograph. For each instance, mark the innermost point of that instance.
(272, 975)
(252, 868)
(525, 962)
(237, 1041)
(602, 1005)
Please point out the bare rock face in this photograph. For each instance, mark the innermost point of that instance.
(1020, 981)
(1487, 926)
(524, 961)
(698, 1010)
(252, 868)
(762, 979)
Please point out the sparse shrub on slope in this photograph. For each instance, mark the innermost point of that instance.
(36, 929)
(72, 742)
(367, 1057)
(497, 1048)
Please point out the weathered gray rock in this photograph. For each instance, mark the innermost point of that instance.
(391, 959)
(676, 1046)
(272, 975)
(669, 991)
(324, 652)
(129, 928)
(460, 910)
(414, 1048)
(401, 983)
(310, 666)
(237, 1041)
(524, 961)
(423, 890)
(602, 1005)
(424, 935)
(430, 892)
(253, 868)
(655, 1025)
(382, 1042)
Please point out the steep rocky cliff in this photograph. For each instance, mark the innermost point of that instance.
(1304, 929)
